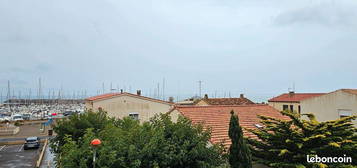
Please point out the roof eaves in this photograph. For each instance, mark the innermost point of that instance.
(132, 95)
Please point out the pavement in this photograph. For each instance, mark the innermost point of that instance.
(13, 156)
(48, 159)
(29, 129)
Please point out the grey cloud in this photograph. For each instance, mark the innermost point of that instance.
(322, 14)
(229, 44)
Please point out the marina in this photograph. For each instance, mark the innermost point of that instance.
(20, 109)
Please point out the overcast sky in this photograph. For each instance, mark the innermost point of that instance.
(257, 47)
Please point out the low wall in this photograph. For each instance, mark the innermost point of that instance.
(9, 130)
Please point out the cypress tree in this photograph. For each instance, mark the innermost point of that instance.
(239, 153)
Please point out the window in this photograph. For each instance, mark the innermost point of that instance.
(134, 116)
(291, 108)
(285, 107)
(344, 112)
(299, 109)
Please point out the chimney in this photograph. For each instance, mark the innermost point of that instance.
(241, 96)
(205, 97)
(291, 93)
(138, 92)
(121, 90)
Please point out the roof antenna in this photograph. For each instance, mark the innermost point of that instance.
(199, 88)
(292, 89)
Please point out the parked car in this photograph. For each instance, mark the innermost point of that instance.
(26, 116)
(17, 117)
(32, 142)
(4, 118)
(67, 113)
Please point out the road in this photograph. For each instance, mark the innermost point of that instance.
(21, 139)
(13, 156)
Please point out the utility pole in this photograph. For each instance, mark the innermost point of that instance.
(163, 89)
(199, 88)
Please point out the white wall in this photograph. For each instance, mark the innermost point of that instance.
(121, 106)
(326, 107)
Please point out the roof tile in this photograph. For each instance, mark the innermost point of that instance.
(294, 97)
(228, 101)
(351, 91)
(217, 118)
(111, 95)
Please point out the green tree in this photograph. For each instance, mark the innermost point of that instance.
(286, 143)
(128, 144)
(239, 153)
(76, 125)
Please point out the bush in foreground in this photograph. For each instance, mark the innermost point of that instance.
(127, 143)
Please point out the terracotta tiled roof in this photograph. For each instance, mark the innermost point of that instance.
(217, 118)
(102, 96)
(228, 101)
(294, 97)
(351, 91)
(111, 95)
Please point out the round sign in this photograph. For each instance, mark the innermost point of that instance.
(95, 142)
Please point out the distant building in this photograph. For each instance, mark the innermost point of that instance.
(217, 118)
(291, 101)
(185, 103)
(223, 101)
(124, 104)
(333, 105)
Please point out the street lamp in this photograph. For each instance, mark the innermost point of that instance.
(95, 143)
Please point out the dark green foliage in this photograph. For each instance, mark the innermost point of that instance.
(239, 153)
(286, 143)
(76, 125)
(128, 144)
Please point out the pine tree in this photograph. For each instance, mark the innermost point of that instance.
(286, 143)
(239, 153)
